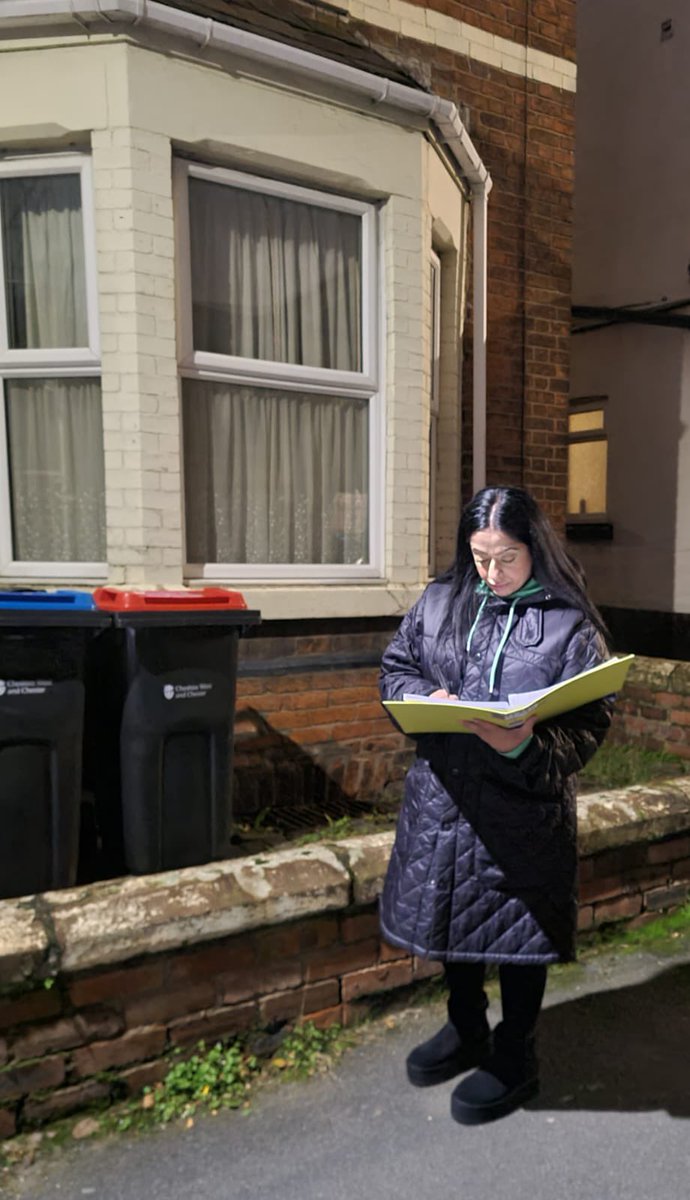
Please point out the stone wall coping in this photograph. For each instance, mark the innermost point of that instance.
(660, 674)
(94, 926)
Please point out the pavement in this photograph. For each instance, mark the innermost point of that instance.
(609, 1123)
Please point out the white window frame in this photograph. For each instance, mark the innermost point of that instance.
(434, 400)
(364, 384)
(69, 362)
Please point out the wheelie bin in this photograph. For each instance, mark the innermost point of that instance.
(43, 642)
(163, 680)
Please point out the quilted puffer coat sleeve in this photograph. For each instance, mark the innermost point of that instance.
(401, 665)
(561, 747)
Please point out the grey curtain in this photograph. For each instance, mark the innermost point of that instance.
(45, 280)
(271, 476)
(55, 445)
(274, 477)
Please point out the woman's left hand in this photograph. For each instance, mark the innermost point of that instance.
(500, 739)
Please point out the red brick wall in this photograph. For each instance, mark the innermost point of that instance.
(547, 25)
(309, 737)
(524, 132)
(321, 734)
(657, 718)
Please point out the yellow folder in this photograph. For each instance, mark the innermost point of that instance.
(421, 714)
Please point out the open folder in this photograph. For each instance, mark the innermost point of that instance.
(423, 714)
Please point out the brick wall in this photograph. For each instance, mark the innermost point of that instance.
(654, 709)
(310, 733)
(490, 58)
(103, 1034)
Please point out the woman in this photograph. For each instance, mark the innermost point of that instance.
(483, 869)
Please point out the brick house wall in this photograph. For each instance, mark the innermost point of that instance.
(487, 57)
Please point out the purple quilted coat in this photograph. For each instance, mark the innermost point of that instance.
(485, 857)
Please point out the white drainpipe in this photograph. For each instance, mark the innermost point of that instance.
(206, 33)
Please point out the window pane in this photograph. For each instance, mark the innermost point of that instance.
(55, 445)
(43, 251)
(587, 477)
(583, 422)
(274, 477)
(274, 279)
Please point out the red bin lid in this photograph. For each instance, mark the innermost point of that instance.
(183, 600)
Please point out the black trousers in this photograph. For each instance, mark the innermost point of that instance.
(522, 992)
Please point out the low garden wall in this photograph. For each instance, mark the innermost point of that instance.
(98, 984)
(653, 709)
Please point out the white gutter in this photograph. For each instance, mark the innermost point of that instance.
(206, 33)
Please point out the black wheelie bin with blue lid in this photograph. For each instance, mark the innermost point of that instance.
(164, 680)
(44, 637)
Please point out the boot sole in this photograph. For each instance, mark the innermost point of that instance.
(429, 1077)
(481, 1114)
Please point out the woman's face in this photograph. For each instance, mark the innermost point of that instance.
(501, 561)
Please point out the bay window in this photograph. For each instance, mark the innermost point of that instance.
(279, 365)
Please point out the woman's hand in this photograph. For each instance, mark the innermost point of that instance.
(442, 694)
(500, 739)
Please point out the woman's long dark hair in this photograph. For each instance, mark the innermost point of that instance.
(512, 510)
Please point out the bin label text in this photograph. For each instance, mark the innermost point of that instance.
(186, 691)
(24, 687)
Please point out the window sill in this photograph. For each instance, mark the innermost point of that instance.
(281, 602)
(589, 531)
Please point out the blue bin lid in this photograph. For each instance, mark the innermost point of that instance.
(59, 600)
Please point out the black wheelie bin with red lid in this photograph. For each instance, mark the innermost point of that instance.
(161, 740)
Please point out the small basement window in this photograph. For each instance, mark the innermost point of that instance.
(587, 518)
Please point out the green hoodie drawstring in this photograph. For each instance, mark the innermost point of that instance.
(501, 644)
(528, 589)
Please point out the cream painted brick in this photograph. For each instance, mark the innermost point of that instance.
(125, 262)
(158, 226)
(106, 266)
(123, 218)
(416, 28)
(162, 206)
(164, 246)
(132, 421)
(111, 421)
(109, 197)
(165, 288)
(126, 479)
(157, 184)
(155, 264)
(142, 243)
(160, 425)
(152, 518)
(124, 517)
(142, 202)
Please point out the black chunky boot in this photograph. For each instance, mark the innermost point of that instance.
(447, 1054)
(508, 1078)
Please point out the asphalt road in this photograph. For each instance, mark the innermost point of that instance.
(609, 1124)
